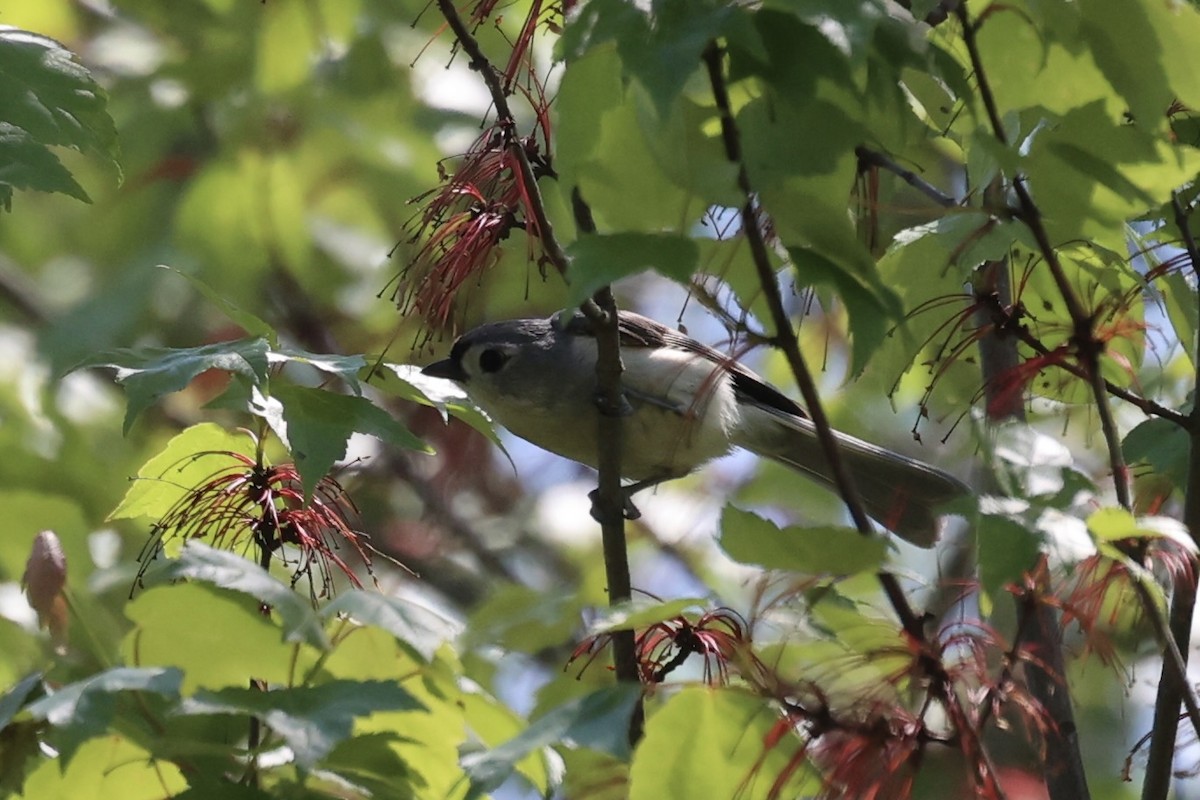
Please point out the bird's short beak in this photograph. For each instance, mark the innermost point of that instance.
(446, 368)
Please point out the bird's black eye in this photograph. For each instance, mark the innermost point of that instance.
(492, 360)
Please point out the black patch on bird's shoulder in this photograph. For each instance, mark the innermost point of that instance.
(638, 331)
(764, 394)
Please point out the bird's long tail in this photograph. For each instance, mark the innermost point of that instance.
(900, 493)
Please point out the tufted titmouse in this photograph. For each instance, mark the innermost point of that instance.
(691, 403)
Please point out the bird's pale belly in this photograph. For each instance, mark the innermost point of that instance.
(658, 443)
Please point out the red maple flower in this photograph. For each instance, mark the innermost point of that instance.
(254, 507)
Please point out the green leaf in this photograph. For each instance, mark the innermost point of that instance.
(48, 93)
(12, 700)
(590, 87)
(665, 51)
(148, 373)
(1147, 50)
(599, 720)
(872, 307)
(714, 743)
(849, 27)
(1115, 524)
(524, 619)
(312, 720)
(27, 164)
(320, 423)
(372, 763)
(189, 459)
(108, 766)
(749, 538)
(182, 625)
(642, 613)
(1091, 172)
(623, 182)
(600, 259)
(1180, 301)
(420, 628)
(1161, 444)
(446, 396)
(1007, 550)
(493, 723)
(346, 368)
(250, 323)
(228, 570)
(86, 708)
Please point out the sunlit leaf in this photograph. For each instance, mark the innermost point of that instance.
(1115, 524)
(183, 625)
(444, 395)
(751, 539)
(320, 423)
(345, 368)
(707, 743)
(415, 625)
(598, 260)
(149, 373)
(189, 459)
(228, 570)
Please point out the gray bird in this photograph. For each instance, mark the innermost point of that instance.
(690, 404)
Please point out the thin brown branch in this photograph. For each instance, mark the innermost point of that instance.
(785, 336)
(1145, 404)
(609, 501)
(477, 61)
(1185, 233)
(872, 158)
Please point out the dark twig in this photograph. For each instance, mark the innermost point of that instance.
(872, 158)
(785, 337)
(1145, 404)
(610, 499)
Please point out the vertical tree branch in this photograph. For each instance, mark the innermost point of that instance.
(610, 499)
(1172, 683)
